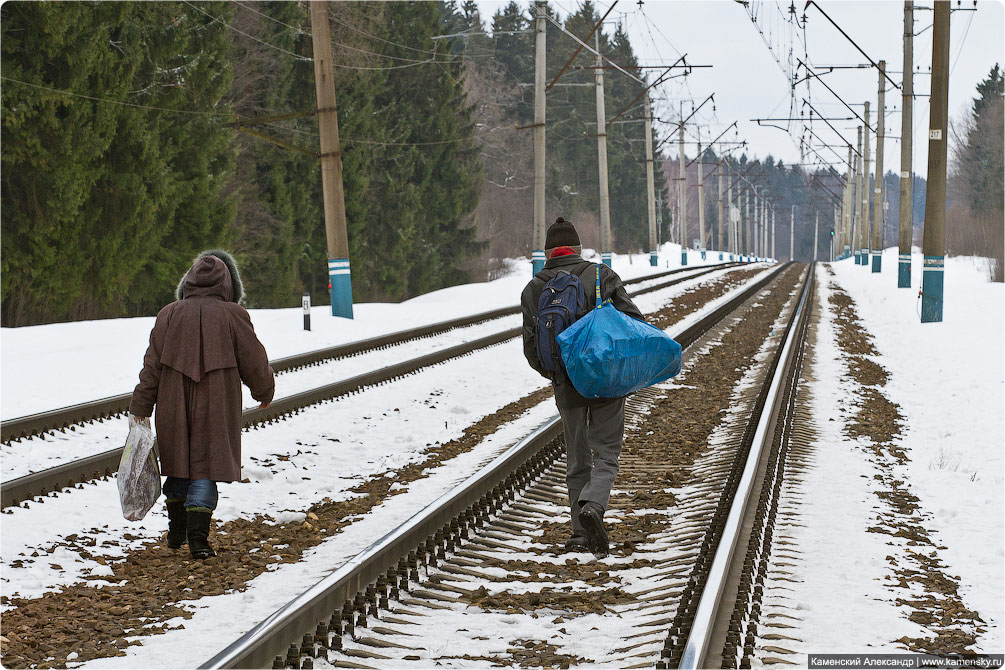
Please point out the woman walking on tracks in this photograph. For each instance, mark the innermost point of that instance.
(201, 348)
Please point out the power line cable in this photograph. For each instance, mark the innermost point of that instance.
(116, 102)
(241, 32)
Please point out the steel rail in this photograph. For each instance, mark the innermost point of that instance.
(77, 472)
(711, 604)
(98, 410)
(370, 575)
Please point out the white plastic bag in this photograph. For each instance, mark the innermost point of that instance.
(139, 477)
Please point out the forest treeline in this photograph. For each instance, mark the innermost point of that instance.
(122, 159)
(123, 156)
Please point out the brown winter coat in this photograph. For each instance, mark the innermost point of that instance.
(201, 348)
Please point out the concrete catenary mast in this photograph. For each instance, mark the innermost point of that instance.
(650, 183)
(906, 154)
(339, 277)
(682, 195)
(720, 241)
(934, 240)
(537, 254)
(605, 199)
(864, 238)
(877, 208)
(703, 243)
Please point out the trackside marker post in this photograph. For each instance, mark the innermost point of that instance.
(307, 311)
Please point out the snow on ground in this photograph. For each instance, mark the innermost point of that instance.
(55, 365)
(332, 447)
(835, 504)
(949, 380)
(341, 443)
(38, 453)
(207, 631)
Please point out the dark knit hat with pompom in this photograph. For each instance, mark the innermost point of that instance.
(561, 234)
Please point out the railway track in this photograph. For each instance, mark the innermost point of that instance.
(481, 549)
(77, 472)
(64, 418)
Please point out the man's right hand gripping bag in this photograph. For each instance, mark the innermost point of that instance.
(608, 354)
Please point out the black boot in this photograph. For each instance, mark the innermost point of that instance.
(591, 516)
(577, 543)
(198, 534)
(177, 524)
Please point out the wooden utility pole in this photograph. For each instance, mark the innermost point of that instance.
(339, 277)
(877, 204)
(537, 253)
(682, 194)
(650, 184)
(934, 240)
(605, 199)
(906, 154)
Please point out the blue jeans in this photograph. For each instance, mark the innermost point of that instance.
(200, 493)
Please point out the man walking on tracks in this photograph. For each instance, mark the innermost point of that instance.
(594, 429)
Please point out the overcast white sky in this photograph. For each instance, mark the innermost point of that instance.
(749, 84)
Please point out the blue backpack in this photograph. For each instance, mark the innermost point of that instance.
(562, 301)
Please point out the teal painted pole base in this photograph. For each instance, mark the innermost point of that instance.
(653, 258)
(537, 261)
(857, 258)
(904, 271)
(340, 286)
(720, 255)
(877, 263)
(605, 258)
(703, 255)
(931, 289)
(683, 258)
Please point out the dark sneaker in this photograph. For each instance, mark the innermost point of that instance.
(591, 516)
(577, 543)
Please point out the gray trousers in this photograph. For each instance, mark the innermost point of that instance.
(593, 438)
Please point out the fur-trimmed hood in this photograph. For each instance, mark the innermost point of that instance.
(236, 286)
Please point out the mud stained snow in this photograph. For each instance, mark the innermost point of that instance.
(690, 301)
(527, 654)
(147, 588)
(657, 454)
(144, 590)
(918, 574)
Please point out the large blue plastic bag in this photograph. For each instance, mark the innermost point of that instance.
(608, 354)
